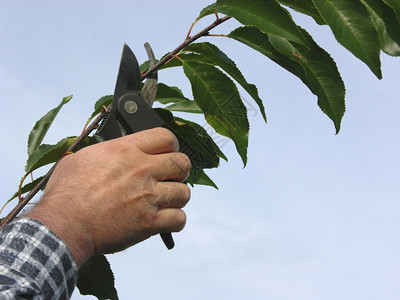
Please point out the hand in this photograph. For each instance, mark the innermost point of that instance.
(109, 196)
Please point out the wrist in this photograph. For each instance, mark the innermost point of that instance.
(66, 228)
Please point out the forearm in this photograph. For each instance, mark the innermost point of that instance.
(34, 263)
(101, 199)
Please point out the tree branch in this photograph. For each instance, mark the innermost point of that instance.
(187, 41)
(16, 210)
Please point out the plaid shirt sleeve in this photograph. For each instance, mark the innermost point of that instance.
(34, 263)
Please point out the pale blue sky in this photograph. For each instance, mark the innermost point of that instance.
(313, 216)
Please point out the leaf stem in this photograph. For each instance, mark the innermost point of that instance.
(86, 125)
(4, 206)
(177, 57)
(16, 210)
(20, 186)
(166, 58)
(190, 30)
(25, 200)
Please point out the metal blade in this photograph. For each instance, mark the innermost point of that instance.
(128, 75)
(149, 89)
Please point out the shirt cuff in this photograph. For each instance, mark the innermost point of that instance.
(43, 260)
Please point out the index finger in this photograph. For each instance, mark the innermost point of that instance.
(156, 141)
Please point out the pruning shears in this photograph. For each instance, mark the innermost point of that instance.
(130, 110)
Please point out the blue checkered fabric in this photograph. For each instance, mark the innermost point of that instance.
(34, 263)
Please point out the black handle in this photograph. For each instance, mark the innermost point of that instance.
(168, 240)
(136, 115)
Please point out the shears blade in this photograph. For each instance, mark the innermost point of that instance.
(131, 109)
(128, 79)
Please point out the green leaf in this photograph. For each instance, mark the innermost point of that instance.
(268, 16)
(47, 154)
(185, 106)
(169, 94)
(395, 5)
(351, 25)
(144, 66)
(201, 178)
(218, 97)
(306, 7)
(206, 11)
(27, 187)
(212, 54)
(321, 74)
(98, 106)
(313, 66)
(200, 130)
(41, 127)
(174, 62)
(259, 41)
(96, 278)
(195, 144)
(386, 24)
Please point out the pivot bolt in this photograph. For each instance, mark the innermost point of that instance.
(131, 107)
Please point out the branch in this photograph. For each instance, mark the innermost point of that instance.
(16, 210)
(165, 59)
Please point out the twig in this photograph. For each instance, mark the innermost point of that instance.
(217, 34)
(16, 210)
(177, 57)
(20, 186)
(23, 201)
(188, 41)
(190, 30)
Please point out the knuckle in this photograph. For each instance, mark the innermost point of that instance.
(180, 164)
(183, 162)
(180, 220)
(169, 137)
(187, 194)
(186, 164)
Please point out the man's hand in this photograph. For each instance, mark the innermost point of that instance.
(107, 197)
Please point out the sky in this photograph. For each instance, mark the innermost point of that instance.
(312, 216)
